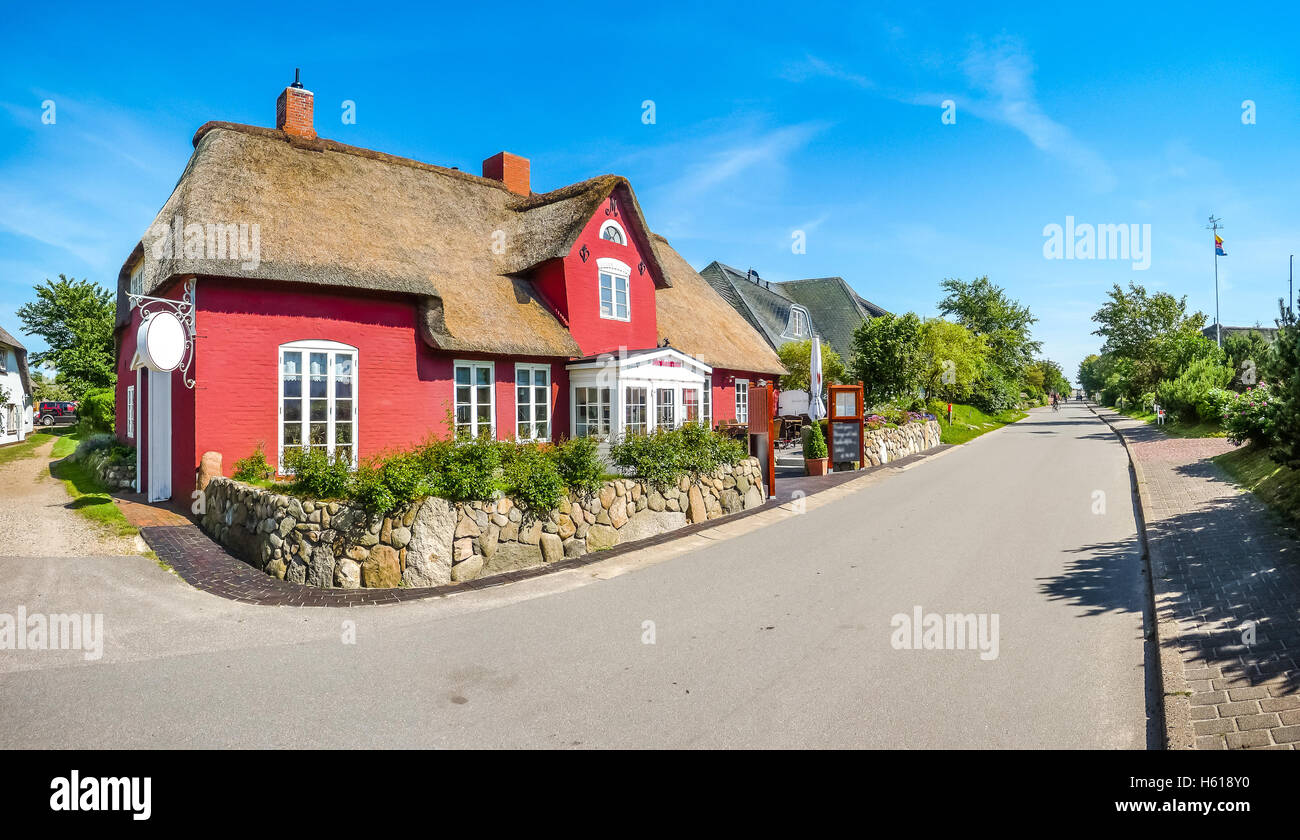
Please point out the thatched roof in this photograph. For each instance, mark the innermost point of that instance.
(336, 215)
(21, 352)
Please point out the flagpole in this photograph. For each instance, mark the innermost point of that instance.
(1218, 326)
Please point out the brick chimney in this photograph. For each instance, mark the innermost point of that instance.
(293, 110)
(511, 170)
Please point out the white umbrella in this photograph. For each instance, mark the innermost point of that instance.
(816, 410)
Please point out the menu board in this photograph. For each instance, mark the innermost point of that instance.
(846, 441)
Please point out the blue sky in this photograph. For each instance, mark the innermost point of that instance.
(768, 120)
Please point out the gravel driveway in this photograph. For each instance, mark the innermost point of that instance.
(35, 520)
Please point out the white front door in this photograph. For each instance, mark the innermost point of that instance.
(160, 435)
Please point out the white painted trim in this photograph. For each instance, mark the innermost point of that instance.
(616, 269)
(139, 418)
(611, 223)
(492, 392)
(532, 368)
(624, 361)
(306, 347)
(160, 435)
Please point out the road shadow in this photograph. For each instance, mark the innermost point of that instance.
(1100, 578)
(1235, 574)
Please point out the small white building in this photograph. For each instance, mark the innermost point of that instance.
(16, 416)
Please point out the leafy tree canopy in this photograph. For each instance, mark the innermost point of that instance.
(797, 358)
(75, 317)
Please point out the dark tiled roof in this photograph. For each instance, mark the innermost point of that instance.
(835, 309)
(1269, 333)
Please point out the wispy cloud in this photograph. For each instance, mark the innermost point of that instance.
(812, 67)
(1003, 75)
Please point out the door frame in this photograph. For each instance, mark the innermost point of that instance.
(159, 435)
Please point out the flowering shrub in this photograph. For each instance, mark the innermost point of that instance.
(1247, 416)
(875, 421)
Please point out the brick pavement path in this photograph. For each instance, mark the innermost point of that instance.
(1219, 559)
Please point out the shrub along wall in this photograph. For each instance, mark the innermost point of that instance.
(434, 541)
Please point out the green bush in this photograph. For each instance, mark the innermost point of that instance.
(384, 484)
(1189, 397)
(579, 463)
(814, 443)
(97, 410)
(93, 443)
(530, 475)
(1248, 417)
(317, 474)
(466, 469)
(255, 466)
(665, 455)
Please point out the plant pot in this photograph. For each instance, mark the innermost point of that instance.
(816, 466)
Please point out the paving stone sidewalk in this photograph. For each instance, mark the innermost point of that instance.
(1219, 560)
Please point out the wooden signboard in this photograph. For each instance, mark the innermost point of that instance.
(762, 437)
(845, 416)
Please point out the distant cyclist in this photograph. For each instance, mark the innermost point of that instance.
(1056, 402)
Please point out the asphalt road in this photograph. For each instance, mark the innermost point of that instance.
(774, 636)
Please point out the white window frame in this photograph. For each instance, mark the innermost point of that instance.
(474, 364)
(617, 271)
(645, 405)
(610, 223)
(130, 411)
(706, 403)
(673, 390)
(306, 348)
(742, 406)
(611, 401)
(797, 315)
(533, 370)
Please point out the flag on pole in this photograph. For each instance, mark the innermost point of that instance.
(1218, 246)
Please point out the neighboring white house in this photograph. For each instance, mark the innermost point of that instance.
(15, 390)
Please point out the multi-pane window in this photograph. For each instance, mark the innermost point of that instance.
(533, 402)
(742, 401)
(690, 405)
(799, 324)
(318, 398)
(475, 399)
(635, 414)
(130, 411)
(612, 233)
(614, 289)
(591, 412)
(665, 408)
(706, 416)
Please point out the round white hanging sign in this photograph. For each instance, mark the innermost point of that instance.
(160, 341)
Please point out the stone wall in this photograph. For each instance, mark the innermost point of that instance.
(892, 443)
(113, 476)
(434, 541)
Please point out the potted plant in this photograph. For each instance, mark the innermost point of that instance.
(815, 456)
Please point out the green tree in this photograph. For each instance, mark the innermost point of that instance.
(1005, 325)
(1154, 331)
(1283, 372)
(953, 359)
(887, 357)
(797, 358)
(75, 317)
(1247, 355)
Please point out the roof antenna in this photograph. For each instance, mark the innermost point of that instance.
(296, 82)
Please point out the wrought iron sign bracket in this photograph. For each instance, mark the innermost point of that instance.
(183, 309)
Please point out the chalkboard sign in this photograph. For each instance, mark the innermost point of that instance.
(846, 442)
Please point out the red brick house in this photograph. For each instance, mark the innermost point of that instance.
(351, 300)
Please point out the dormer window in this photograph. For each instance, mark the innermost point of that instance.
(612, 231)
(800, 325)
(615, 279)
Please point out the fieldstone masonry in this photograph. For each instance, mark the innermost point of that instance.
(894, 442)
(435, 541)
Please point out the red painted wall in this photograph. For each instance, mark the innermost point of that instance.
(594, 334)
(404, 388)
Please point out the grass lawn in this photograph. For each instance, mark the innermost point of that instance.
(968, 422)
(1173, 427)
(1277, 486)
(69, 437)
(90, 498)
(25, 449)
